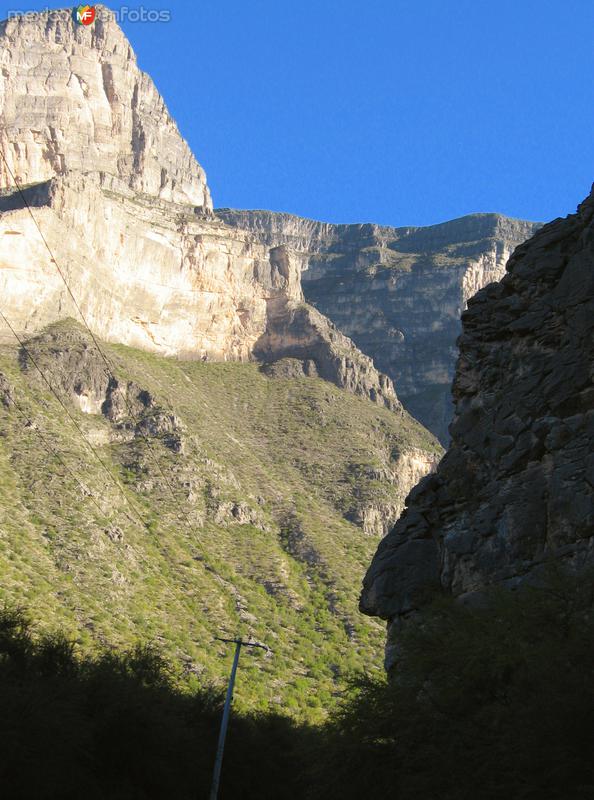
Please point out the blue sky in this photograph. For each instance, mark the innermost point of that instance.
(398, 112)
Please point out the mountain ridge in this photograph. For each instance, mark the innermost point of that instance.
(207, 453)
(126, 209)
(397, 292)
(121, 124)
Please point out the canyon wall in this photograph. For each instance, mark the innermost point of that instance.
(515, 490)
(397, 292)
(72, 98)
(125, 209)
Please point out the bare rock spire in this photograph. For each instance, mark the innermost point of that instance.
(72, 98)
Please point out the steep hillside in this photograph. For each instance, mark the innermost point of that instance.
(252, 499)
(257, 472)
(397, 292)
(516, 487)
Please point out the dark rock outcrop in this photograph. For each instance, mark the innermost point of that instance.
(516, 487)
(301, 332)
(290, 368)
(73, 366)
(6, 391)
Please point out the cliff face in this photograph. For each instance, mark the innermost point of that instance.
(516, 487)
(397, 292)
(126, 210)
(73, 98)
(146, 272)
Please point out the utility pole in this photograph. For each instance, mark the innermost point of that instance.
(216, 777)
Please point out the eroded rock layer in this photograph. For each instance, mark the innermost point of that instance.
(516, 487)
(397, 292)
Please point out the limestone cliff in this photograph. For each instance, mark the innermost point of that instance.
(397, 292)
(516, 487)
(73, 98)
(126, 210)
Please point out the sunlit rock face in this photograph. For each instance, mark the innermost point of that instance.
(73, 98)
(144, 272)
(397, 292)
(516, 488)
(125, 209)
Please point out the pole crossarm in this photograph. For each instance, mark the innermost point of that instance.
(243, 643)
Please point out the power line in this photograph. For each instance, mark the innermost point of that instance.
(181, 515)
(72, 419)
(144, 525)
(109, 369)
(56, 453)
(84, 489)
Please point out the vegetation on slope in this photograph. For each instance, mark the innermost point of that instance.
(486, 703)
(233, 516)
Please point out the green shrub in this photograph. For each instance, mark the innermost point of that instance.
(492, 702)
(485, 703)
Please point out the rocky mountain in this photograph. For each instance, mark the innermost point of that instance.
(126, 211)
(72, 99)
(516, 488)
(211, 455)
(398, 293)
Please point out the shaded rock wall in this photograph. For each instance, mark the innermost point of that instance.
(516, 487)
